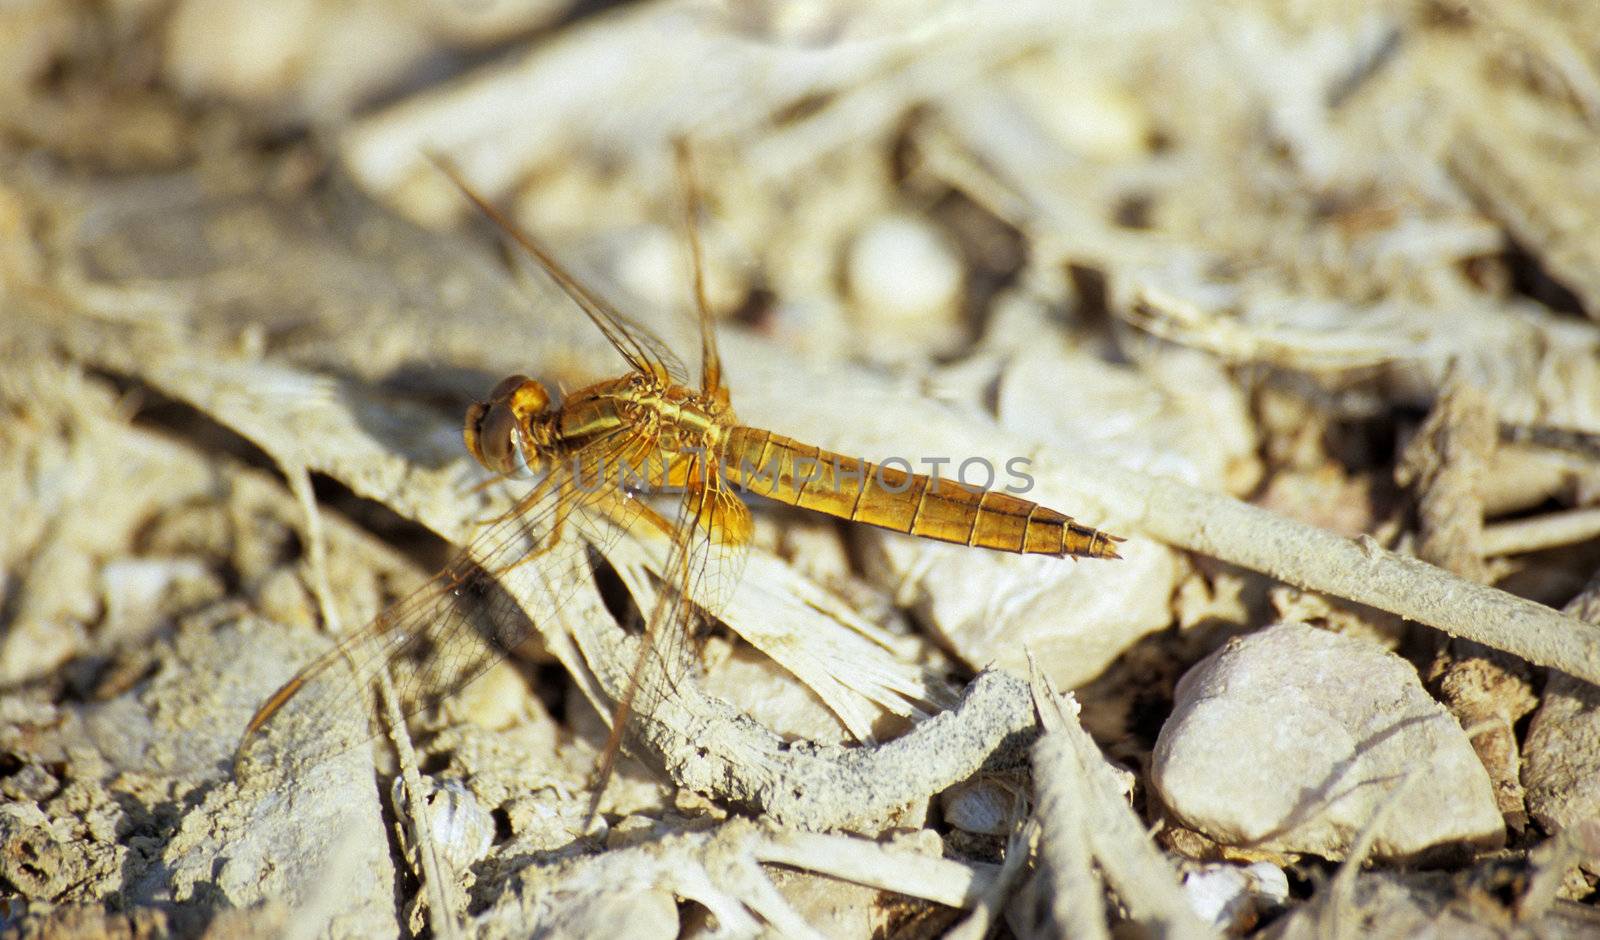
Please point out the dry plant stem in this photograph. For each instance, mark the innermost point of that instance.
(1519, 185)
(1444, 465)
(721, 868)
(443, 918)
(810, 786)
(1355, 569)
(709, 747)
(1551, 860)
(1485, 689)
(1537, 32)
(1066, 869)
(439, 883)
(1133, 866)
(757, 893)
(955, 884)
(316, 545)
(1552, 530)
(1340, 897)
(1583, 445)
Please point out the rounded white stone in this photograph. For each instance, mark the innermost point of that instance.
(901, 267)
(1295, 739)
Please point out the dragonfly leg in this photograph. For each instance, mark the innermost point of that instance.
(670, 613)
(547, 543)
(522, 505)
(623, 512)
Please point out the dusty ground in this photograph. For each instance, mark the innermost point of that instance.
(1301, 299)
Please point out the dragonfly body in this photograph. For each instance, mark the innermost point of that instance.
(689, 438)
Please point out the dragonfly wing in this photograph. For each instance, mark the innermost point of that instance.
(448, 632)
(715, 530)
(711, 381)
(432, 642)
(642, 348)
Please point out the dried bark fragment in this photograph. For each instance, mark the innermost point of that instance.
(1487, 691)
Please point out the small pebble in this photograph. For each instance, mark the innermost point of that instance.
(980, 805)
(1080, 110)
(1561, 757)
(1233, 897)
(654, 264)
(461, 827)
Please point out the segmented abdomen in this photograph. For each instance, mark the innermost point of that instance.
(850, 488)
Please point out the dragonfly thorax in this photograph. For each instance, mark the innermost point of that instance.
(517, 431)
(677, 419)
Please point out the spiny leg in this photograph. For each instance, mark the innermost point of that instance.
(671, 608)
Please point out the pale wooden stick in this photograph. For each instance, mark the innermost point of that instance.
(442, 915)
(1551, 530)
(956, 884)
(1076, 899)
(1356, 569)
(992, 901)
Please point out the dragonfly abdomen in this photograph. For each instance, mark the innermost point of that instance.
(917, 504)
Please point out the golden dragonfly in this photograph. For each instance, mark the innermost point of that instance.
(589, 459)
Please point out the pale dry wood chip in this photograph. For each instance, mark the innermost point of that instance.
(1542, 193)
(722, 868)
(1145, 881)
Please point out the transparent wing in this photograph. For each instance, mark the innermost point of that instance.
(642, 348)
(711, 381)
(706, 555)
(699, 579)
(452, 629)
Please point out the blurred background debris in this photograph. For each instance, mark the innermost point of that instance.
(1301, 298)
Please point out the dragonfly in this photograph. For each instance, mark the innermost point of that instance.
(588, 464)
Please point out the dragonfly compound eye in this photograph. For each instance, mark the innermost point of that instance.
(489, 432)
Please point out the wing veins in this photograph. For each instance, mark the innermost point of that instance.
(632, 340)
(467, 633)
(710, 359)
(668, 624)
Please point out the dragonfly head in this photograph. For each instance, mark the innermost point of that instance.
(496, 430)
